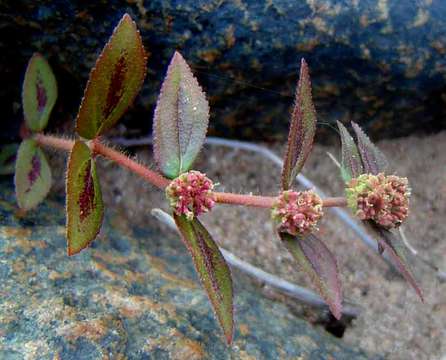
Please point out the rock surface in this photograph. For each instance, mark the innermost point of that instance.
(133, 295)
(381, 62)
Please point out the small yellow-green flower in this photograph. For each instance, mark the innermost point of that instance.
(381, 198)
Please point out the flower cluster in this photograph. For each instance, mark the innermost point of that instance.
(190, 194)
(297, 213)
(383, 199)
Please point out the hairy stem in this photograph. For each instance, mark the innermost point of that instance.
(161, 182)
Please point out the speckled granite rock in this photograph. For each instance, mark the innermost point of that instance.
(133, 296)
(380, 62)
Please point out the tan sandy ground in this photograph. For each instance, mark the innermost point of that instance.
(393, 321)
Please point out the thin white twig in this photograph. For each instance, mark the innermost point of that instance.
(292, 290)
(333, 158)
(406, 242)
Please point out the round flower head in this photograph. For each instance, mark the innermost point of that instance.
(190, 194)
(383, 199)
(297, 213)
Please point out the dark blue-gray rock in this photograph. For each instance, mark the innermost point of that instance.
(379, 62)
(133, 295)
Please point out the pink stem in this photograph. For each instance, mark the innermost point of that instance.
(161, 182)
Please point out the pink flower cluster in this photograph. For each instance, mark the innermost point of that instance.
(190, 194)
(383, 199)
(297, 213)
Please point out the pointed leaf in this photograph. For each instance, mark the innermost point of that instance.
(32, 175)
(212, 269)
(181, 119)
(114, 81)
(8, 154)
(373, 159)
(302, 129)
(317, 261)
(39, 93)
(351, 164)
(394, 247)
(85, 209)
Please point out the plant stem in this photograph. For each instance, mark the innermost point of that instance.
(161, 182)
(150, 176)
(334, 202)
(246, 200)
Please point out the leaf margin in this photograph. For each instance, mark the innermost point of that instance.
(302, 131)
(294, 246)
(70, 196)
(125, 20)
(182, 224)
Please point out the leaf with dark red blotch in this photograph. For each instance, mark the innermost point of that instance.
(181, 119)
(302, 129)
(317, 261)
(39, 93)
(8, 155)
(395, 249)
(85, 209)
(351, 164)
(212, 268)
(32, 175)
(373, 159)
(114, 81)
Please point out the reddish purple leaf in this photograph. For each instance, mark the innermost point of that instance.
(302, 129)
(85, 208)
(351, 164)
(114, 81)
(373, 159)
(212, 268)
(181, 119)
(32, 175)
(39, 93)
(395, 248)
(317, 261)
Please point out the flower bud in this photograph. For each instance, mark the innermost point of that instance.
(297, 213)
(190, 194)
(383, 199)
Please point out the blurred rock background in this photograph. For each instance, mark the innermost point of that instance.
(379, 62)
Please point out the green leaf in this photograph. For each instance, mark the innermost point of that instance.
(395, 249)
(351, 164)
(181, 119)
(317, 261)
(114, 81)
(32, 175)
(373, 159)
(39, 93)
(212, 269)
(8, 154)
(85, 209)
(302, 129)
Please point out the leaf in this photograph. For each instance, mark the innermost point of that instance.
(39, 93)
(85, 209)
(302, 129)
(373, 159)
(181, 119)
(351, 164)
(212, 268)
(394, 247)
(32, 175)
(8, 154)
(114, 81)
(317, 261)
